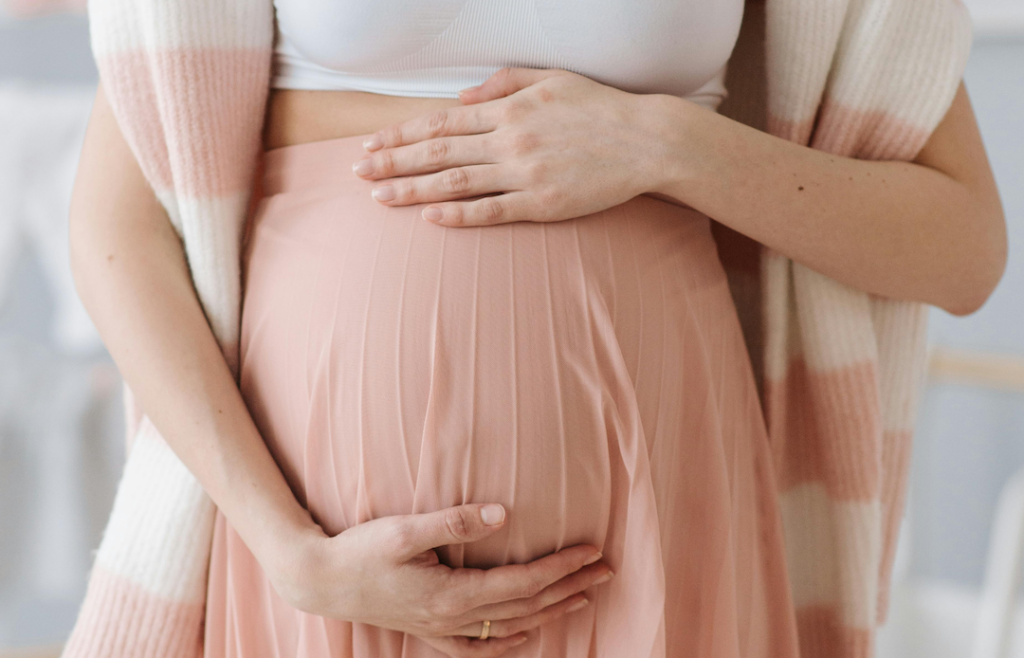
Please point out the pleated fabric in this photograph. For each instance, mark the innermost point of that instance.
(588, 374)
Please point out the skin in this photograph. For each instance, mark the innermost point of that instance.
(131, 273)
(547, 145)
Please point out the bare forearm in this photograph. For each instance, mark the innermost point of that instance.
(897, 229)
(131, 273)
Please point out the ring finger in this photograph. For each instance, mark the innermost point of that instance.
(425, 157)
(573, 584)
(506, 627)
(455, 183)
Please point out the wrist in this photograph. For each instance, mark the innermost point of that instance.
(291, 543)
(675, 158)
(295, 561)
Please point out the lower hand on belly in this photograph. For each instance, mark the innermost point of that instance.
(385, 573)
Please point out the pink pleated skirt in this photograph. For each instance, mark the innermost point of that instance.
(588, 374)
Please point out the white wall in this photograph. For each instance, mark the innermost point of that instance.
(997, 18)
(60, 417)
(46, 49)
(971, 440)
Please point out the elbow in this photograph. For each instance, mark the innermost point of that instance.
(968, 304)
(985, 268)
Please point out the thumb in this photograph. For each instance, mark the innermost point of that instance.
(505, 82)
(455, 525)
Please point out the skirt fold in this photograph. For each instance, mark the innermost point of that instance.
(589, 374)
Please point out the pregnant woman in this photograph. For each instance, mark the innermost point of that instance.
(493, 392)
(590, 375)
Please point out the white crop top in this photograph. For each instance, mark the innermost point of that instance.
(435, 48)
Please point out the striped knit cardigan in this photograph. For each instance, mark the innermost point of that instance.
(839, 369)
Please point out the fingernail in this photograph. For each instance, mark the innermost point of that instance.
(593, 558)
(373, 143)
(432, 214)
(522, 638)
(492, 514)
(605, 578)
(579, 605)
(363, 167)
(384, 193)
(467, 89)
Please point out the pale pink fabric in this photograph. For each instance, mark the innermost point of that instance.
(588, 374)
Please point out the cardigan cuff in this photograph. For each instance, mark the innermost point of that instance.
(120, 619)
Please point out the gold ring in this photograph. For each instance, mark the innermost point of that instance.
(487, 629)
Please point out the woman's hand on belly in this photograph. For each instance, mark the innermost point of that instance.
(548, 145)
(385, 573)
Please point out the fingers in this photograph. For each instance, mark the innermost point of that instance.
(457, 183)
(458, 120)
(509, 627)
(473, 588)
(428, 156)
(470, 118)
(567, 588)
(503, 208)
(465, 647)
(504, 634)
(417, 533)
(505, 82)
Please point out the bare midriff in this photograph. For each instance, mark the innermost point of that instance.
(298, 116)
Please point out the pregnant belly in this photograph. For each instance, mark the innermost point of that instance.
(394, 366)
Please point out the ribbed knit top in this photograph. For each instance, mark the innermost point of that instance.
(437, 47)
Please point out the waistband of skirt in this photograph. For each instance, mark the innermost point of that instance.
(329, 163)
(313, 164)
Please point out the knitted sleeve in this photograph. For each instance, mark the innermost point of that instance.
(187, 81)
(840, 370)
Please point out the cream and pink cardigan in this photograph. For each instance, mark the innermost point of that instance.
(839, 370)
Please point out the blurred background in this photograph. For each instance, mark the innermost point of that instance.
(61, 438)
